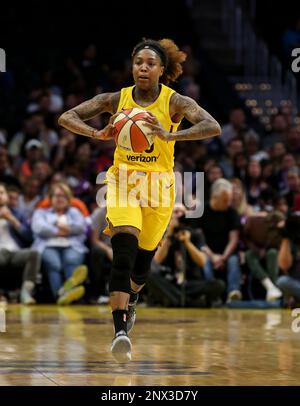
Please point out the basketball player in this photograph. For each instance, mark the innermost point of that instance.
(136, 231)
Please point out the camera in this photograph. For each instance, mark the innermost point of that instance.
(183, 224)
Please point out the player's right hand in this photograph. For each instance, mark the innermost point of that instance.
(108, 132)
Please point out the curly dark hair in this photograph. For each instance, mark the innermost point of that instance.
(170, 55)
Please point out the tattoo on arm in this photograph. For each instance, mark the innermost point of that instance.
(73, 120)
(205, 126)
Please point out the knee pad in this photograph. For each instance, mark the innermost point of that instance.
(142, 266)
(125, 248)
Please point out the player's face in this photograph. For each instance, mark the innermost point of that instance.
(146, 69)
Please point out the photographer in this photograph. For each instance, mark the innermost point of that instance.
(289, 258)
(176, 278)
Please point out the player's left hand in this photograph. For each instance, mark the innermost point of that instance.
(157, 129)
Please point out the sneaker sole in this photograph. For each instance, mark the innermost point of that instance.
(71, 296)
(121, 349)
(78, 277)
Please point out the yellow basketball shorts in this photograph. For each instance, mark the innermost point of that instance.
(143, 200)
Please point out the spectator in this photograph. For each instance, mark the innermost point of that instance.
(280, 204)
(74, 202)
(252, 148)
(237, 127)
(277, 152)
(65, 150)
(288, 162)
(15, 235)
(292, 141)
(42, 172)
(14, 194)
(279, 128)
(214, 173)
(181, 254)
(60, 233)
(235, 146)
(5, 171)
(261, 256)
(79, 173)
(29, 131)
(254, 182)
(287, 111)
(101, 256)
(268, 176)
(293, 185)
(239, 200)
(34, 153)
(220, 224)
(289, 260)
(240, 163)
(30, 197)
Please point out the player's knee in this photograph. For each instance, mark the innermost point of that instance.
(142, 266)
(125, 247)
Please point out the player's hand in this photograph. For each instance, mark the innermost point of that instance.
(108, 132)
(155, 126)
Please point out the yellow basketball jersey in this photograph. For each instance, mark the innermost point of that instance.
(160, 156)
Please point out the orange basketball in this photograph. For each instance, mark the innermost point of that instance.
(131, 133)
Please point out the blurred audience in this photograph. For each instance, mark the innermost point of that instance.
(59, 236)
(15, 238)
(37, 157)
(177, 273)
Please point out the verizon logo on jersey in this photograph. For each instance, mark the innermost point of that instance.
(142, 158)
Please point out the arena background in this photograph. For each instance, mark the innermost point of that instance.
(239, 56)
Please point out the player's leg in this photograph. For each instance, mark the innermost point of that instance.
(125, 246)
(138, 280)
(155, 222)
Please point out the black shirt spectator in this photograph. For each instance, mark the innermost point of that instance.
(216, 226)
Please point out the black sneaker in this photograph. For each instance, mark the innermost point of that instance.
(121, 347)
(131, 315)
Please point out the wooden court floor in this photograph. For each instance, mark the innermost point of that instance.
(50, 345)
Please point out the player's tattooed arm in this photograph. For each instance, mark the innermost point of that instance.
(205, 126)
(74, 119)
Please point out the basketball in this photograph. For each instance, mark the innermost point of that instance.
(130, 130)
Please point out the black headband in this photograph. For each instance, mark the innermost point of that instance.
(154, 48)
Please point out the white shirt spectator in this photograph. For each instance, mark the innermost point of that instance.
(6, 240)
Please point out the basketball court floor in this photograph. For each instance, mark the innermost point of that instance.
(50, 345)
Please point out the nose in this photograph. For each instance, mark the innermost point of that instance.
(143, 67)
